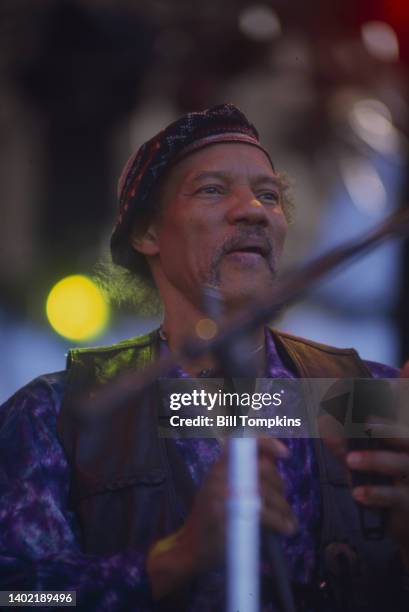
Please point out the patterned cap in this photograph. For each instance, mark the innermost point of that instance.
(144, 169)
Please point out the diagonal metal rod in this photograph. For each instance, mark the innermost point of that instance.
(289, 287)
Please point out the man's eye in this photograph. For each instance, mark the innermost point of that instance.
(269, 196)
(210, 189)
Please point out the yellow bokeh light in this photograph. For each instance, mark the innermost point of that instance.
(76, 308)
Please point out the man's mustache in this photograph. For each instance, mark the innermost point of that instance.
(242, 237)
(248, 239)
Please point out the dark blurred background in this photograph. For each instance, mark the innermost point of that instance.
(83, 83)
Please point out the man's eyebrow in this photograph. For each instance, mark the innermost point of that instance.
(226, 176)
(271, 179)
(210, 174)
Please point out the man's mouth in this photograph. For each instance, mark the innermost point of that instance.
(244, 252)
(249, 249)
(254, 250)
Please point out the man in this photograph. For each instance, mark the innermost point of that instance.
(130, 521)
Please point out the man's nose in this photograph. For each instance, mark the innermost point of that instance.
(246, 208)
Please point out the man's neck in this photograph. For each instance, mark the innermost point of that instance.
(183, 321)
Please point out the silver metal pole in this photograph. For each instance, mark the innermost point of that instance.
(243, 531)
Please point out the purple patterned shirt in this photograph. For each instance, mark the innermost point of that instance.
(39, 535)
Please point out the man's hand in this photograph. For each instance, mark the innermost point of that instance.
(394, 463)
(200, 544)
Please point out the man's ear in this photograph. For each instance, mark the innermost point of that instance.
(146, 242)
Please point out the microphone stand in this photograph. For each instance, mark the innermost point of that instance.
(244, 504)
(243, 532)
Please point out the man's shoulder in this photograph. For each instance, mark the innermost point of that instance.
(137, 342)
(301, 341)
(304, 349)
(46, 392)
(103, 363)
(41, 396)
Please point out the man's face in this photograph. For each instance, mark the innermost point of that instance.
(221, 223)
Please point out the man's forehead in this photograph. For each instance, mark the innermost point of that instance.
(225, 161)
